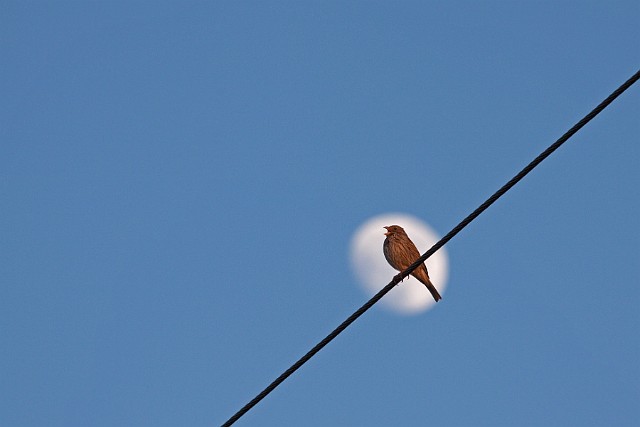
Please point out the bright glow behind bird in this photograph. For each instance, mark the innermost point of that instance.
(373, 271)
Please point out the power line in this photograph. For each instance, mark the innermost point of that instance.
(396, 279)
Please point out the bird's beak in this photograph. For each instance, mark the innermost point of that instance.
(387, 233)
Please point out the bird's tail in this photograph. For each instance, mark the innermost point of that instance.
(434, 291)
(427, 282)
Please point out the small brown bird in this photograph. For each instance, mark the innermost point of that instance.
(400, 253)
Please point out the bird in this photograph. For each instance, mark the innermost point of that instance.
(400, 253)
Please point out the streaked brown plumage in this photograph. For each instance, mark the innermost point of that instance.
(400, 253)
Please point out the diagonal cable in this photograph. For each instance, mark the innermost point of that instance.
(513, 181)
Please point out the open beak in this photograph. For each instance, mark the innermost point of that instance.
(387, 233)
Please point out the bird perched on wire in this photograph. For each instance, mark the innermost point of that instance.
(400, 253)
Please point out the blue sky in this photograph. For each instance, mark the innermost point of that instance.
(181, 181)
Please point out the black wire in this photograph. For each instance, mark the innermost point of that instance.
(434, 248)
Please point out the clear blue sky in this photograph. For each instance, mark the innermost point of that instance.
(180, 182)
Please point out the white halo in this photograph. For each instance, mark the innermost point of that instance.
(373, 271)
